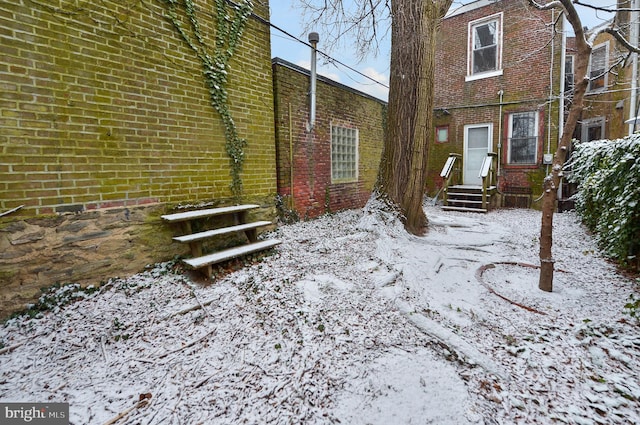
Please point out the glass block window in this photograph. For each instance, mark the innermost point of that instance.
(344, 153)
(523, 138)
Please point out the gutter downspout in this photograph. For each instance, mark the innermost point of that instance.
(293, 201)
(563, 76)
(633, 110)
(499, 171)
(314, 38)
(553, 52)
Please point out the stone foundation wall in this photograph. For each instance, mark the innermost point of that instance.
(85, 248)
(106, 123)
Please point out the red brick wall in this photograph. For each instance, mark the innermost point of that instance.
(314, 193)
(525, 84)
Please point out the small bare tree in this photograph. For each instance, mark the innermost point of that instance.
(552, 181)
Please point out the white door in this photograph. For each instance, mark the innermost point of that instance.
(477, 141)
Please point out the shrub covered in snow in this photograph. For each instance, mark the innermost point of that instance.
(608, 198)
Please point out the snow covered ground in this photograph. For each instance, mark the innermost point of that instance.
(351, 321)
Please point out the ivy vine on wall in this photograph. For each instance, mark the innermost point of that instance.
(229, 28)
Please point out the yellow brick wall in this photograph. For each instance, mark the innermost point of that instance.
(106, 105)
(105, 124)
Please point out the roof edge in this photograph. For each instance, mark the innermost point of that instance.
(279, 61)
(468, 7)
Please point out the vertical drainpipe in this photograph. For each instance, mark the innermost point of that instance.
(314, 38)
(633, 110)
(498, 171)
(551, 70)
(563, 64)
(293, 201)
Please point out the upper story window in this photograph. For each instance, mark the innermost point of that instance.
(598, 67)
(485, 47)
(523, 138)
(593, 129)
(344, 154)
(568, 73)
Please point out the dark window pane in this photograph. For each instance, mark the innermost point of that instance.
(484, 60)
(568, 73)
(523, 151)
(485, 35)
(523, 142)
(485, 47)
(597, 68)
(594, 132)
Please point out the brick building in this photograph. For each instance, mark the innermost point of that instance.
(334, 165)
(611, 99)
(106, 122)
(499, 91)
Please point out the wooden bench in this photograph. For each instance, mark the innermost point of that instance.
(239, 214)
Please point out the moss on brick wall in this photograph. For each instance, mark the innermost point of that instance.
(106, 103)
(104, 112)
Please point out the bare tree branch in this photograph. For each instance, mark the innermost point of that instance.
(617, 34)
(367, 21)
(605, 9)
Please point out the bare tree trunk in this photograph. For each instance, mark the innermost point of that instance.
(403, 169)
(552, 182)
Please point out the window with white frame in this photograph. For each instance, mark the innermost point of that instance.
(598, 67)
(593, 129)
(344, 153)
(523, 138)
(485, 47)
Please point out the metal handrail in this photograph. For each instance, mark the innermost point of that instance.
(488, 175)
(447, 172)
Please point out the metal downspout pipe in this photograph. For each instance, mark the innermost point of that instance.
(314, 38)
(499, 171)
(563, 76)
(633, 109)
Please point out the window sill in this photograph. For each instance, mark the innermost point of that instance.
(344, 181)
(522, 166)
(483, 75)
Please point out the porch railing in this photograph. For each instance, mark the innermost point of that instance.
(450, 173)
(488, 175)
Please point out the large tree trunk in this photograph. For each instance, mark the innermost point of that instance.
(403, 169)
(552, 182)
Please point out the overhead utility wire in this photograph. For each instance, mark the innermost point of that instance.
(326, 55)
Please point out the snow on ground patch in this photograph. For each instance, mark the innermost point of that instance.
(405, 388)
(316, 288)
(519, 283)
(354, 321)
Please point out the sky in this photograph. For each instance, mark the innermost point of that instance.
(286, 15)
